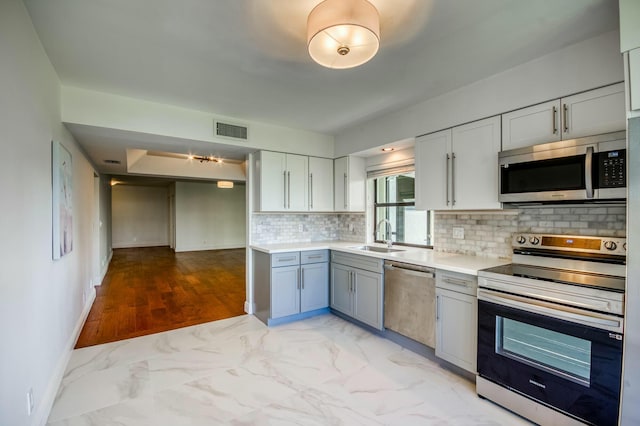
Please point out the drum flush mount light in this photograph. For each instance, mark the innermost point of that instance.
(343, 33)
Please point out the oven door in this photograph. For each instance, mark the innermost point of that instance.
(569, 366)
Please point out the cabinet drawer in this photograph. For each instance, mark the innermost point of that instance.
(314, 256)
(455, 281)
(356, 261)
(285, 259)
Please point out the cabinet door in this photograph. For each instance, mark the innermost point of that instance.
(314, 287)
(367, 304)
(474, 165)
(297, 182)
(320, 184)
(349, 179)
(634, 79)
(531, 126)
(341, 288)
(285, 291)
(594, 112)
(272, 181)
(456, 328)
(433, 163)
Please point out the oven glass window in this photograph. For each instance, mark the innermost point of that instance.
(558, 353)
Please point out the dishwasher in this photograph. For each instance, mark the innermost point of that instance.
(410, 301)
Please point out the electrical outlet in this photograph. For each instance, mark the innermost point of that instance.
(458, 233)
(300, 227)
(351, 228)
(30, 404)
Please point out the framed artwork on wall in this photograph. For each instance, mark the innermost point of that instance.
(62, 186)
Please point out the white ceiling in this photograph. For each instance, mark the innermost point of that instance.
(248, 59)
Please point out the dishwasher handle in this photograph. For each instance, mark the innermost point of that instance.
(421, 271)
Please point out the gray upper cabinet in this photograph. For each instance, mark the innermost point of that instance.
(458, 168)
(585, 114)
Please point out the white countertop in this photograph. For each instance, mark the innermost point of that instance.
(417, 256)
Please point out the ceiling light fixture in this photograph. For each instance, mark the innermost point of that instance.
(225, 184)
(343, 33)
(388, 149)
(203, 159)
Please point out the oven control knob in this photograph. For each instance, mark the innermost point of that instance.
(521, 239)
(534, 240)
(610, 245)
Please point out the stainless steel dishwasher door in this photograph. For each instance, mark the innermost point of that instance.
(410, 301)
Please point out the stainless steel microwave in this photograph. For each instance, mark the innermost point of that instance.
(591, 168)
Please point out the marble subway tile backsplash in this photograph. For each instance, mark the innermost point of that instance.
(304, 227)
(578, 220)
(485, 234)
(488, 234)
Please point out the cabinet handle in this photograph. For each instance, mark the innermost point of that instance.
(437, 308)
(316, 256)
(355, 283)
(555, 120)
(565, 117)
(302, 278)
(286, 259)
(284, 190)
(453, 179)
(311, 191)
(446, 180)
(454, 281)
(288, 190)
(345, 191)
(298, 280)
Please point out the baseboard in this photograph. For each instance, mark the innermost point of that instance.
(105, 268)
(140, 244)
(203, 248)
(249, 308)
(49, 396)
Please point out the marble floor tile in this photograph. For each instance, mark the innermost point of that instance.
(318, 371)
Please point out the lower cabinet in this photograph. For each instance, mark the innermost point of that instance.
(356, 287)
(290, 286)
(457, 319)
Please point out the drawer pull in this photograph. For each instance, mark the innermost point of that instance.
(286, 259)
(317, 256)
(454, 281)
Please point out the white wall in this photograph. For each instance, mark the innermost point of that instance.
(140, 216)
(583, 66)
(92, 108)
(208, 217)
(41, 300)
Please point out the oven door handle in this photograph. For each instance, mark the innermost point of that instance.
(580, 316)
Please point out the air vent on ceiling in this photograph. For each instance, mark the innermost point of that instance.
(112, 161)
(232, 131)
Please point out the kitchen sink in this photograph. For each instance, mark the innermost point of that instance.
(376, 249)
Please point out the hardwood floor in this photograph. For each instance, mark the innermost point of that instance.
(149, 290)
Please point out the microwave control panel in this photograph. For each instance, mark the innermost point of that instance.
(612, 169)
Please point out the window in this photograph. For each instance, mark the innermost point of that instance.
(394, 200)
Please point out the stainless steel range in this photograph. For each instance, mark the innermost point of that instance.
(550, 328)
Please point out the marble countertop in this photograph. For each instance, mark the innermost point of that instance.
(416, 256)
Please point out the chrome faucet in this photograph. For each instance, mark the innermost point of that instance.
(389, 231)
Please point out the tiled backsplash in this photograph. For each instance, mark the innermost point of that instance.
(489, 234)
(485, 234)
(582, 220)
(295, 228)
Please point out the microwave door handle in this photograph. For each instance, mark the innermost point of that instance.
(588, 172)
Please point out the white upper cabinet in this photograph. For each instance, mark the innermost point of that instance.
(474, 165)
(585, 114)
(531, 126)
(282, 181)
(349, 184)
(433, 161)
(458, 168)
(634, 79)
(320, 184)
(594, 112)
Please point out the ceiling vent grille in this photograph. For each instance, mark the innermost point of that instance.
(231, 131)
(112, 161)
